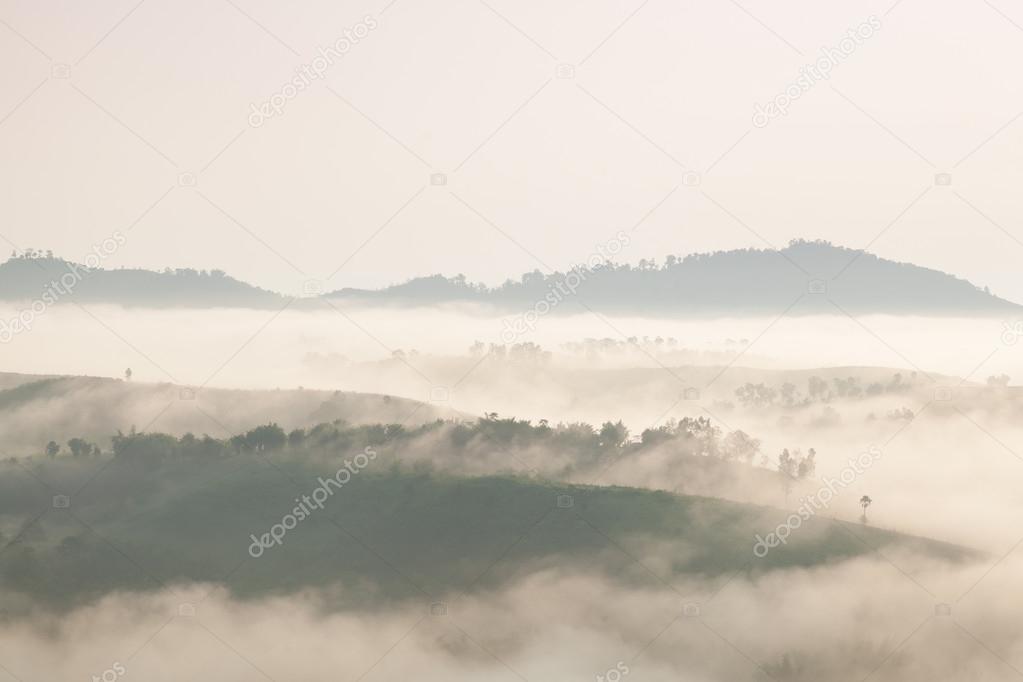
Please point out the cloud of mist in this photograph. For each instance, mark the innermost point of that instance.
(838, 622)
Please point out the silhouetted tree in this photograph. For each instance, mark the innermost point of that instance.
(613, 435)
(865, 502)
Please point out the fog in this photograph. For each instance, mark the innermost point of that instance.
(951, 472)
(844, 622)
(925, 398)
(313, 348)
(768, 457)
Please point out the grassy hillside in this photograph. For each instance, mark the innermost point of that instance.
(386, 535)
(35, 410)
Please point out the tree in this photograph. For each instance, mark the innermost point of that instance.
(756, 395)
(52, 449)
(613, 434)
(739, 446)
(127, 374)
(78, 447)
(807, 466)
(865, 502)
(817, 388)
(296, 437)
(265, 438)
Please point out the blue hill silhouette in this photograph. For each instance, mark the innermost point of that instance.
(803, 278)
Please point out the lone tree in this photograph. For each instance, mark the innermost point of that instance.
(865, 502)
(52, 449)
(127, 374)
(79, 447)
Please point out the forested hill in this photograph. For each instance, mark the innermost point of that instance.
(32, 278)
(803, 278)
(817, 277)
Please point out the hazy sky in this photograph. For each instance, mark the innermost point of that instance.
(556, 125)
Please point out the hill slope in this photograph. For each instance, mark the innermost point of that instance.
(385, 536)
(26, 279)
(35, 410)
(805, 278)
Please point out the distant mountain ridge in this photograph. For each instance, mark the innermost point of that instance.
(806, 277)
(31, 278)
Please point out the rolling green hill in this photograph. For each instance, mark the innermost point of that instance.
(35, 409)
(387, 535)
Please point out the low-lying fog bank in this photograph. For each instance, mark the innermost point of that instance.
(851, 621)
(267, 349)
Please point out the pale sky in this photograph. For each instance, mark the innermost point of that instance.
(556, 124)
